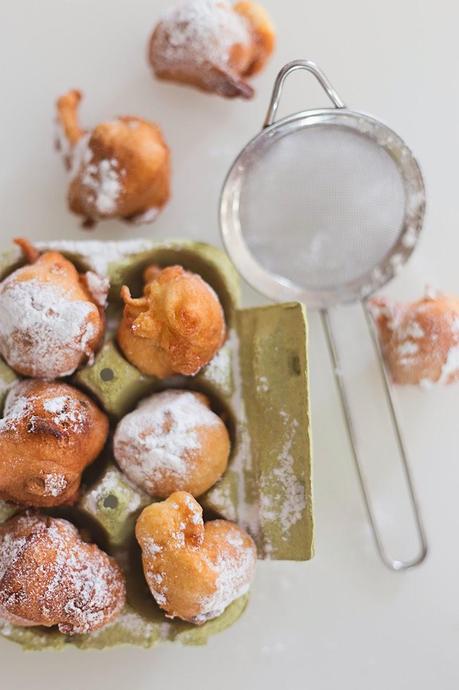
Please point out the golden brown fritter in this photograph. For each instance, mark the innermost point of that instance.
(51, 323)
(212, 45)
(120, 169)
(175, 328)
(49, 434)
(172, 442)
(49, 576)
(420, 340)
(194, 570)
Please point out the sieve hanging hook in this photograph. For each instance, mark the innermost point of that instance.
(309, 66)
(276, 286)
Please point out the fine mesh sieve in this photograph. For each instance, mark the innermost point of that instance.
(324, 206)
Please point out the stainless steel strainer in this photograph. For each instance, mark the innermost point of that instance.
(324, 206)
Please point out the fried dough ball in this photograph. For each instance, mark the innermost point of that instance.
(50, 576)
(175, 328)
(212, 45)
(420, 340)
(120, 169)
(172, 442)
(49, 434)
(194, 570)
(51, 322)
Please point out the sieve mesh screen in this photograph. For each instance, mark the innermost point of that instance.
(321, 205)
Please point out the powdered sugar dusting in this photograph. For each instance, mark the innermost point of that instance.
(113, 483)
(160, 437)
(66, 411)
(218, 371)
(102, 181)
(42, 330)
(147, 216)
(98, 286)
(17, 407)
(98, 255)
(200, 31)
(241, 464)
(235, 568)
(450, 368)
(54, 484)
(81, 591)
(21, 404)
(432, 348)
(285, 496)
(130, 622)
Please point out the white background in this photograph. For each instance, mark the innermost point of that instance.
(341, 620)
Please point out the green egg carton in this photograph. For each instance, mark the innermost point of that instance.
(257, 382)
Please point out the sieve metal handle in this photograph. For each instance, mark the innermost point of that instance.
(392, 563)
(293, 66)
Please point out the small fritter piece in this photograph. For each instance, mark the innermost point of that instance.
(172, 442)
(194, 570)
(120, 169)
(50, 576)
(420, 340)
(49, 433)
(212, 45)
(175, 328)
(51, 322)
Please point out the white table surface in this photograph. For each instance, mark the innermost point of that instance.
(341, 620)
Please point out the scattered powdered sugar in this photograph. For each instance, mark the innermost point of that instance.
(287, 505)
(98, 255)
(407, 348)
(113, 483)
(103, 180)
(66, 410)
(160, 437)
(87, 581)
(81, 155)
(41, 330)
(262, 384)
(405, 334)
(199, 32)
(160, 595)
(54, 484)
(98, 286)
(11, 548)
(130, 622)
(195, 516)
(17, 407)
(147, 216)
(451, 366)
(21, 403)
(222, 497)
(151, 547)
(218, 371)
(414, 330)
(81, 591)
(247, 510)
(235, 568)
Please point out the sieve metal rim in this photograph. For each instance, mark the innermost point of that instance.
(277, 287)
